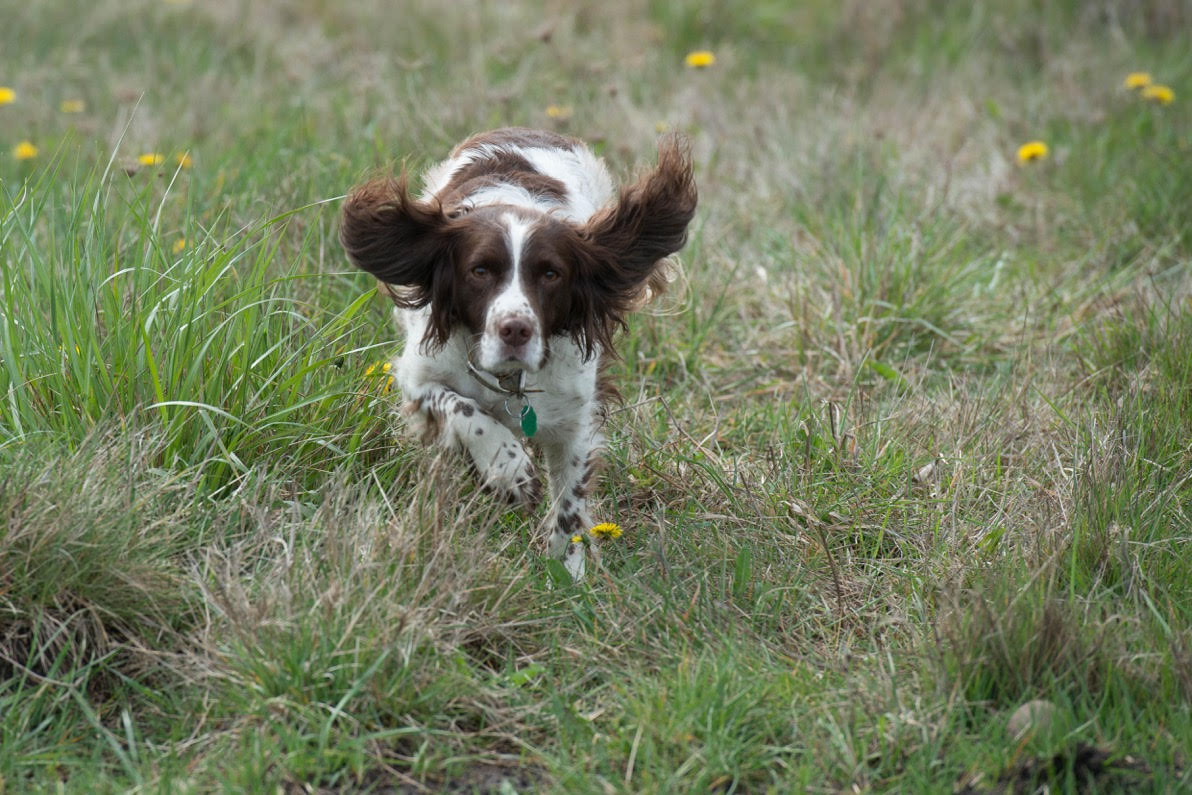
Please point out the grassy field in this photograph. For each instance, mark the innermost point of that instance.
(913, 448)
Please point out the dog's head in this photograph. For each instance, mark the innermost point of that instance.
(513, 277)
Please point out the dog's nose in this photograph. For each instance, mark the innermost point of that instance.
(516, 331)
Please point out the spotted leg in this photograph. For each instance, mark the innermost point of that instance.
(444, 416)
(571, 461)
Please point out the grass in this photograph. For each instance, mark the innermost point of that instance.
(909, 452)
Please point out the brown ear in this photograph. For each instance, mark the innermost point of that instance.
(394, 237)
(649, 220)
(624, 243)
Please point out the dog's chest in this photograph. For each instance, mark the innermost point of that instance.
(561, 396)
(558, 398)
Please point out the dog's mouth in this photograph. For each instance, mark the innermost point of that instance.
(506, 360)
(508, 379)
(511, 366)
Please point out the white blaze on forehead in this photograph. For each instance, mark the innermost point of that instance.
(511, 302)
(519, 233)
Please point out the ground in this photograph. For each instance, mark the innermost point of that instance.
(908, 446)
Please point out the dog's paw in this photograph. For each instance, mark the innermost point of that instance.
(571, 550)
(575, 560)
(511, 476)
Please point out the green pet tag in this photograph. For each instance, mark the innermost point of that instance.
(529, 421)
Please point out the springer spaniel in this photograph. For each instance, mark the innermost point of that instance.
(511, 273)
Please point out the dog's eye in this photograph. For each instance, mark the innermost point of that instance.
(480, 271)
(550, 275)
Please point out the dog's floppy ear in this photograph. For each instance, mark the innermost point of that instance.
(649, 220)
(398, 239)
(625, 241)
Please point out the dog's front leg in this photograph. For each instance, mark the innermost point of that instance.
(500, 459)
(571, 461)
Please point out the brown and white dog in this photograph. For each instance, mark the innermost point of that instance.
(511, 273)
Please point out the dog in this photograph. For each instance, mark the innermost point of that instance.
(511, 274)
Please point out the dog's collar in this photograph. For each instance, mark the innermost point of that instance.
(511, 385)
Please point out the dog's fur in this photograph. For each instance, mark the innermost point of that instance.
(518, 259)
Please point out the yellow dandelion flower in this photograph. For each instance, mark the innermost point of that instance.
(577, 539)
(184, 159)
(150, 159)
(1032, 150)
(661, 127)
(1137, 80)
(606, 530)
(72, 106)
(381, 369)
(558, 112)
(1157, 93)
(7, 95)
(700, 59)
(179, 245)
(25, 150)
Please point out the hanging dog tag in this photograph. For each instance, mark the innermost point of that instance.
(529, 421)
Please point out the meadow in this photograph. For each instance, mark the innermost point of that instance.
(909, 447)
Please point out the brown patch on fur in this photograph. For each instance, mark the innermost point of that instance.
(507, 137)
(529, 493)
(499, 168)
(569, 523)
(591, 471)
